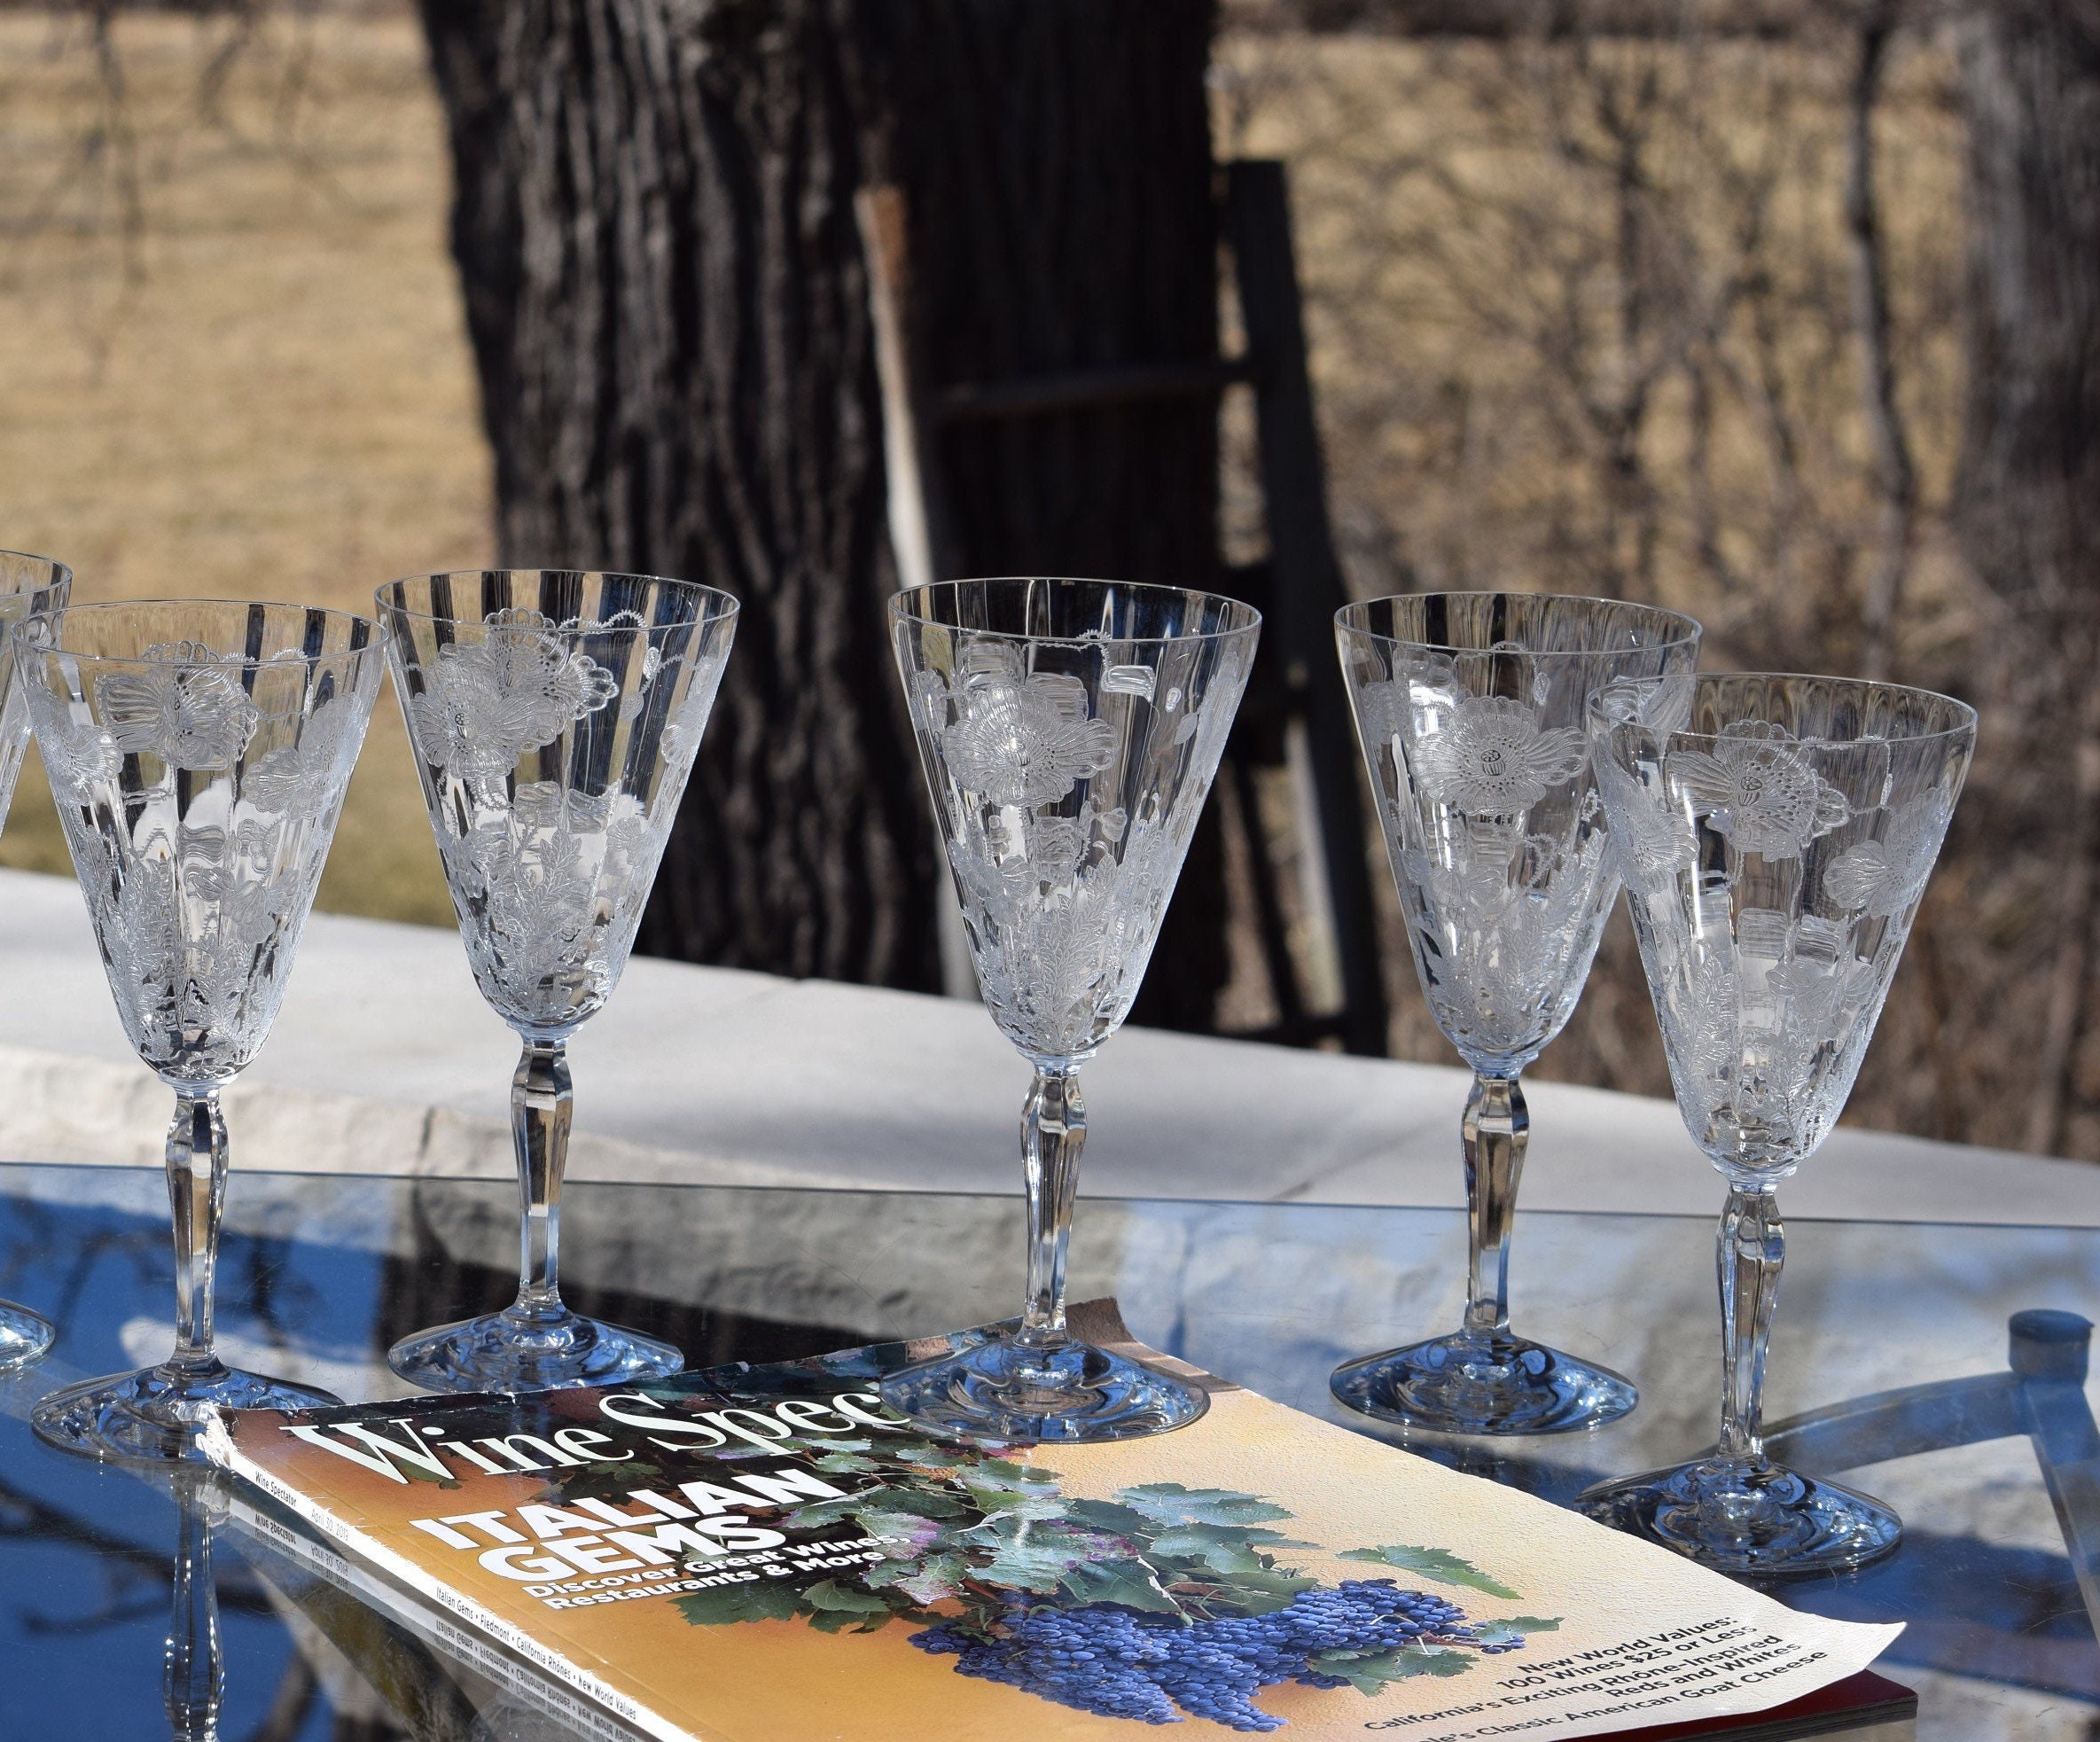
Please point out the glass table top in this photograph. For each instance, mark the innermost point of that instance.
(318, 1275)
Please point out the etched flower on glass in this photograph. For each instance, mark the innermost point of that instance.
(1809, 812)
(554, 716)
(1069, 730)
(199, 753)
(27, 584)
(1493, 755)
(1756, 787)
(1885, 877)
(1472, 711)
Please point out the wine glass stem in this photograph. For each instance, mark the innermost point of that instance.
(1493, 1133)
(1053, 1133)
(192, 1667)
(1749, 1252)
(540, 1107)
(197, 1194)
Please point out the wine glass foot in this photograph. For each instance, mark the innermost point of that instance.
(24, 1336)
(1009, 1393)
(152, 1416)
(1469, 1383)
(508, 1351)
(1748, 1518)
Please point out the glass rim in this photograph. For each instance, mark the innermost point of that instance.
(60, 571)
(1965, 716)
(901, 611)
(380, 602)
(19, 633)
(1687, 631)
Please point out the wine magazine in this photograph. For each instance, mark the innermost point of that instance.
(744, 1554)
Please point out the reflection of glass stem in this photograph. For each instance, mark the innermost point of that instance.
(540, 1104)
(1750, 1250)
(1493, 1133)
(193, 1671)
(197, 1193)
(1053, 1133)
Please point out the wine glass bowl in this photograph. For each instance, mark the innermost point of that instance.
(1069, 731)
(199, 752)
(554, 715)
(28, 584)
(1776, 850)
(1472, 710)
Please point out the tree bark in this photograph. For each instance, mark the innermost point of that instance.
(664, 285)
(2027, 499)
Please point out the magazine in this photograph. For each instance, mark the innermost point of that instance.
(744, 1554)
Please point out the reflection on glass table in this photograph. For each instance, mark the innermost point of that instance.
(319, 1275)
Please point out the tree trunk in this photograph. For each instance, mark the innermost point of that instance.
(665, 289)
(2027, 501)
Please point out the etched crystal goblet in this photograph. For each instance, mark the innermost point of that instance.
(1069, 730)
(1471, 710)
(26, 583)
(554, 715)
(199, 752)
(1774, 853)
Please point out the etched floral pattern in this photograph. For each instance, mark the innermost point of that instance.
(1495, 830)
(187, 708)
(1885, 878)
(1767, 976)
(77, 753)
(1062, 896)
(1649, 846)
(518, 686)
(199, 823)
(548, 876)
(1760, 788)
(550, 890)
(1023, 740)
(1493, 754)
(1503, 925)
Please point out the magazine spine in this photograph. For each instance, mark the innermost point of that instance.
(217, 1444)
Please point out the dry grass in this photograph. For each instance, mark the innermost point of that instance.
(261, 391)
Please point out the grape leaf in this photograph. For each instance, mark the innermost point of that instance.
(1040, 1559)
(844, 1463)
(832, 1608)
(766, 1600)
(1171, 1504)
(1507, 1633)
(1128, 1582)
(1228, 1554)
(926, 1582)
(1105, 1515)
(1438, 1564)
(1022, 1508)
(995, 1474)
(1371, 1674)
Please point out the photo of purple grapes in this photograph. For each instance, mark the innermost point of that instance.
(1119, 1663)
(1155, 1604)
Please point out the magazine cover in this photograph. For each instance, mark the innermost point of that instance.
(767, 1555)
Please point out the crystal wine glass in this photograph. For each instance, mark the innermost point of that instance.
(26, 583)
(199, 752)
(554, 715)
(1775, 854)
(1069, 730)
(1471, 710)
